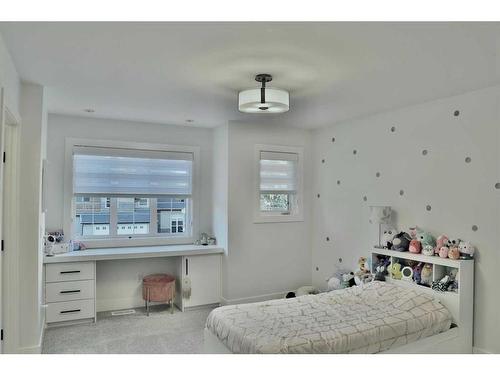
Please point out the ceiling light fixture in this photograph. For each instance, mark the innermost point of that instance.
(265, 99)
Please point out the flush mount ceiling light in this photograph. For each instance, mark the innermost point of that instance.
(265, 99)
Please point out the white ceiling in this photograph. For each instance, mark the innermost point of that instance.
(170, 72)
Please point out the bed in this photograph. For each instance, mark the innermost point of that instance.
(376, 317)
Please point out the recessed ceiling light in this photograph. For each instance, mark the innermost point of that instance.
(89, 110)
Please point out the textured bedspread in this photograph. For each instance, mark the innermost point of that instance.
(368, 319)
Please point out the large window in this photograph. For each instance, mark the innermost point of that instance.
(132, 194)
(279, 183)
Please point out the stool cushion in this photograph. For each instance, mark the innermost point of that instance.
(158, 288)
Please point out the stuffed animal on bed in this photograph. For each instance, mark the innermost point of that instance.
(427, 240)
(466, 250)
(387, 236)
(348, 280)
(441, 241)
(426, 276)
(401, 241)
(417, 273)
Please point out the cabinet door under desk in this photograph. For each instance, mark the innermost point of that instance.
(203, 273)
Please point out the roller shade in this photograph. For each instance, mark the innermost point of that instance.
(125, 172)
(278, 171)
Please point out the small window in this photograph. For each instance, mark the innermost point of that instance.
(279, 184)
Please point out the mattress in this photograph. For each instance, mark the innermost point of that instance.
(367, 319)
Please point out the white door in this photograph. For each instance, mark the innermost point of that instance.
(2, 141)
(204, 273)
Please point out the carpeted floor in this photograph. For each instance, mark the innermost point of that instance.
(161, 332)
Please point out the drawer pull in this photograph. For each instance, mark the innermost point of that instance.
(70, 291)
(65, 272)
(70, 311)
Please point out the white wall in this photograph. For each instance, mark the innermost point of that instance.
(119, 282)
(460, 194)
(9, 79)
(270, 258)
(32, 146)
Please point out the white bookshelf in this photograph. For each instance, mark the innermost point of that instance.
(459, 303)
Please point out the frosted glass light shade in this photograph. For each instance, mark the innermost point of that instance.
(277, 101)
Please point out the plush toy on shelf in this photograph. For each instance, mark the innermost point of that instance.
(466, 250)
(443, 252)
(401, 241)
(453, 253)
(415, 247)
(395, 270)
(428, 242)
(381, 270)
(387, 236)
(441, 241)
(426, 276)
(417, 273)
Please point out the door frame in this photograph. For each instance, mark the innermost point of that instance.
(9, 229)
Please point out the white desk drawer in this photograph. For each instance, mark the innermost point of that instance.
(70, 271)
(72, 310)
(69, 291)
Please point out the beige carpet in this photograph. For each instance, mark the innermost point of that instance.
(161, 332)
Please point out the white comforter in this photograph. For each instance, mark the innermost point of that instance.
(367, 319)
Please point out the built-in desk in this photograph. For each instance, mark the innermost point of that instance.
(70, 278)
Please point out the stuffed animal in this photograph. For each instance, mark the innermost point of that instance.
(363, 274)
(443, 251)
(428, 241)
(381, 272)
(401, 241)
(441, 285)
(415, 247)
(417, 273)
(334, 283)
(387, 236)
(395, 271)
(412, 231)
(426, 276)
(441, 241)
(428, 250)
(453, 253)
(348, 280)
(466, 250)
(453, 287)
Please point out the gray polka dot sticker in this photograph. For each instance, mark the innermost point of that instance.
(365, 198)
(333, 139)
(327, 238)
(354, 152)
(340, 260)
(318, 195)
(456, 113)
(475, 228)
(393, 129)
(323, 161)
(425, 152)
(497, 185)
(377, 174)
(401, 192)
(338, 182)
(428, 207)
(468, 159)
(317, 268)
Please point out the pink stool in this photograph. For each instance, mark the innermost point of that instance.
(158, 288)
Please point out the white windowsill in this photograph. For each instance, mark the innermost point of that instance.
(261, 219)
(134, 252)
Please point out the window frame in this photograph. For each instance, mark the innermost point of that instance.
(137, 239)
(297, 212)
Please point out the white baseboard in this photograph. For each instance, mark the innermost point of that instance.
(476, 350)
(36, 349)
(263, 297)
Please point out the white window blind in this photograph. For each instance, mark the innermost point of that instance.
(278, 171)
(126, 172)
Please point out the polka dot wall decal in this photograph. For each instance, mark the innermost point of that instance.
(377, 174)
(319, 195)
(497, 185)
(456, 113)
(338, 182)
(475, 228)
(365, 198)
(428, 207)
(323, 161)
(317, 268)
(333, 139)
(468, 159)
(340, 260)
(393, 129)
(425, 152)
(354, 152)
(328, 238)
(401, 192)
